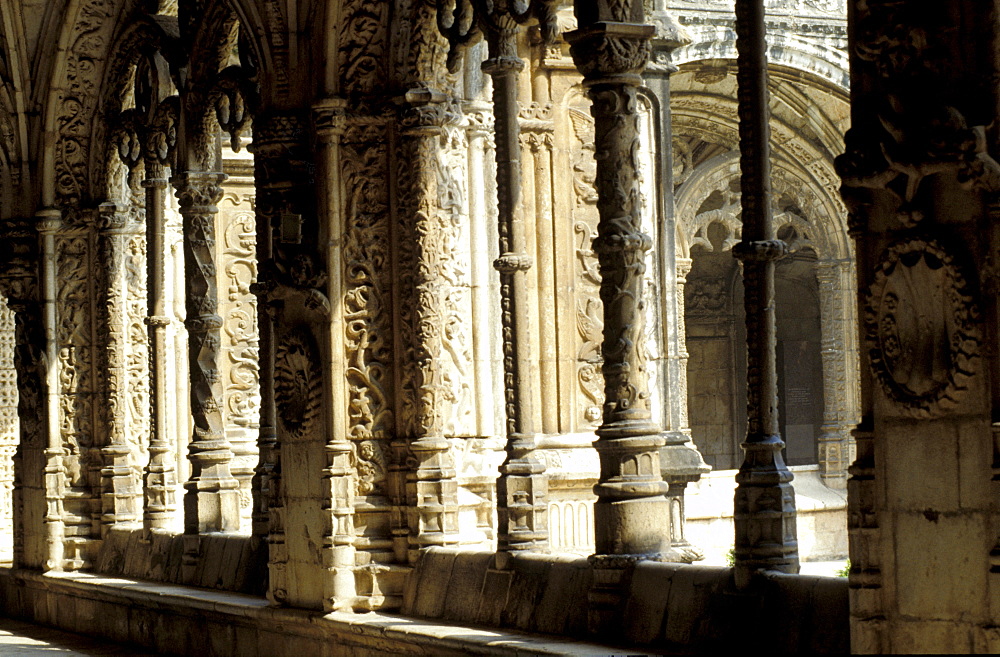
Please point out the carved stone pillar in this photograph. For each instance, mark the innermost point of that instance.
(55, 472)
(680, 461)
(211, 500)
(120, 484)
(9, 431)
(764, 512)
(921, 182)
(160, 475)
(839, 372)
(522, 489)
(630, 513)
(19, 278)
(431, 487)
(293, 288)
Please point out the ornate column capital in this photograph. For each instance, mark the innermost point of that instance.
(611, 52)
(330, 118)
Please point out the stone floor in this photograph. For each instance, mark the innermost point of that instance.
(18, 638)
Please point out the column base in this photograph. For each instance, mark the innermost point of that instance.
(211, 511)
(638, 526)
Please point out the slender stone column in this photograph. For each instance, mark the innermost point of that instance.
(19, 278)
(160, 475)
(838, 371)
(680, 461)
(340, 475)
(522, 489)
(120, 487)
(211, 502)
(765, 502)
(55, 482)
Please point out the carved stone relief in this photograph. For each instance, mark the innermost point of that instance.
(9, 431)
(298, 383)
(920, 321)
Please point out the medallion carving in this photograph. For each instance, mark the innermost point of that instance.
(298, 382)
(921, 325)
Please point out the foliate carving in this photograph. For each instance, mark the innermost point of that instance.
(368, 281)
(436, 370)
(363, 46)
(296, 272)
(298, 382)
(242, 394)
(9, 426)
(370, 462)
(84, 69)
(705, 296)
(921, 325)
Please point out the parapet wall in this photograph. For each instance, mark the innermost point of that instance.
(669, 607)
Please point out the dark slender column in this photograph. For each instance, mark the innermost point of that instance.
(764, 500)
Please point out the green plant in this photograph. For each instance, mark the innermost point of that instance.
(731, 557)
(846, 570)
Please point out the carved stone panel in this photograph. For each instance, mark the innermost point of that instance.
(9, 430)
(921, 326)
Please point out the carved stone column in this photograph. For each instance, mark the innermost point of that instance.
(55, 471)
(9, 431)
(680, 461)
(522, 489)
(764, 512)
(19, 278)
(631, 514)
(160, 476)
(839, 371)
(431, 487)
(211, 500)
(120, 485)
(921, 182)
(631, 511)
(312, 566)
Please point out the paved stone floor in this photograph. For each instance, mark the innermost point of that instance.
(18, 638)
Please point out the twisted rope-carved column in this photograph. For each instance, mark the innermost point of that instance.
(160, 475)
(211, 500)
(764, 512)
